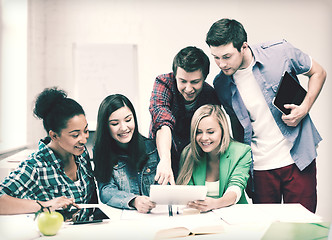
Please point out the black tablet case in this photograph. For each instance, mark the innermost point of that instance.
(289, 92)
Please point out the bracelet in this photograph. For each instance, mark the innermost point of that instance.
(41, 206)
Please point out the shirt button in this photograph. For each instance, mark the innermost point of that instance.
(148, 170)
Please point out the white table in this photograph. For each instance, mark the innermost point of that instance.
(141, 226)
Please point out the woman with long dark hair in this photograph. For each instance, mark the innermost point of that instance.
(125, 161)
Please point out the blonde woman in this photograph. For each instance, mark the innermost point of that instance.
(214, 159)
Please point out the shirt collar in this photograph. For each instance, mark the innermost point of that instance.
(256, 55)
(49, 155)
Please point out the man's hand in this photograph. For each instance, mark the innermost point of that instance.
(296, 115)
(164, 173)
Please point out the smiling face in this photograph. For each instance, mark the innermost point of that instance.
(209, 134)
(189, 84)
(122, 125)
(228, 58)
(73, 138)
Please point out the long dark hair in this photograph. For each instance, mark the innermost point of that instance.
(106, 150)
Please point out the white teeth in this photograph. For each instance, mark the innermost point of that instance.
(206, 144)
(124, 134)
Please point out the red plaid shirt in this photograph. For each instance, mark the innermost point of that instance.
(167, 107)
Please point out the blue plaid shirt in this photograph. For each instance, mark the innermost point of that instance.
(41, 177)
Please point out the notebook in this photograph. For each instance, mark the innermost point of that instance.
(294, 231)
(83, 215)
(289, 92)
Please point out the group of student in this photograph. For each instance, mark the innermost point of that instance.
(270, 155)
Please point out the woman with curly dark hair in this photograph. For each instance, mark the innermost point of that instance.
(59, 173)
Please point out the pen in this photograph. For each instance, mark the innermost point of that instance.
(170, 211)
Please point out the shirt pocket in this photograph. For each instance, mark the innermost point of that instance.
(274, 82)
(275, 88)
(149, 173)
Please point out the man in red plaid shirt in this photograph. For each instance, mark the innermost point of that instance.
(174, 99)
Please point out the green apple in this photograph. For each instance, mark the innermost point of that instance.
(49, 223)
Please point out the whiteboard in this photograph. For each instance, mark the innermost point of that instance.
(101, 70)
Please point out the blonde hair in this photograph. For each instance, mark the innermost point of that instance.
(192, 153)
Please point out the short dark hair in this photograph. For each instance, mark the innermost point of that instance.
(225, 31)
(192, 59)
(55, 108)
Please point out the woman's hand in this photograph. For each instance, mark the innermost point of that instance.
(60, 202)
(204, 205)
(143, 204)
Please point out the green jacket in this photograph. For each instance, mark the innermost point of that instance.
(234, 169)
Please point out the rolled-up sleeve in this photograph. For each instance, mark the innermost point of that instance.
(21, 183)
(300, 61)
(160, 104)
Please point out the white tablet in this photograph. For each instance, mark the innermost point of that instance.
(176, 194)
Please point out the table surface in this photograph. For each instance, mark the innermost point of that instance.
(241, 221)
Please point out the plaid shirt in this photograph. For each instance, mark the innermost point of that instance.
(167, 107)
(41, 177)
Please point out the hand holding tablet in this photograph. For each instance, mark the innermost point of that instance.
(289, 92)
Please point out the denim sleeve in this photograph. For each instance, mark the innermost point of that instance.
(301, 62)
(110, 194)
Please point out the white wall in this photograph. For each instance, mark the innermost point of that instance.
(13, 73)
(160, 29)
(37, 63)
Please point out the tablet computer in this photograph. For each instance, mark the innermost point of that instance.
(176, 194)
(83, 215)
(289, 92)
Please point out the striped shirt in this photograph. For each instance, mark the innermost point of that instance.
(42, 177)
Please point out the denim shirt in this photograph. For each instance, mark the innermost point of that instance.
(271, 60)
(126, 183)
